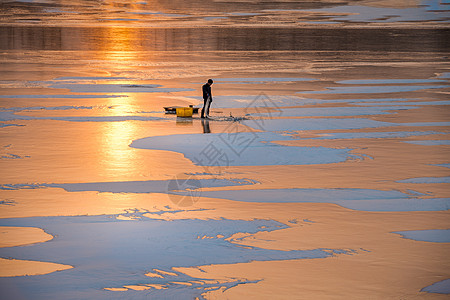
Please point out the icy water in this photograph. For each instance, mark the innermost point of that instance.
(323, 172)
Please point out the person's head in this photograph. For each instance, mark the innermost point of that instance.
(210, 81)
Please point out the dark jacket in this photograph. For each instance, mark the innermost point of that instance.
(206, 91)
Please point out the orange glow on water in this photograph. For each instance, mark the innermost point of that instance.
(117, 156)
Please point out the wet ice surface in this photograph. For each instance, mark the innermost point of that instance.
(7, 116)
(441, 287)
(430, 142)
(443, 102)
(247, 101)
(389, 81)
(112, 253)
(151, 186)
(435, 235)
(63, 96)
(12, 114)
(443, 165)
(427, 180)
(259, 80)
(116, 88)
(429, 10)
(315, 124)
(375, 89)
(373, 135)
(241, 149)
(328, 124)
(276, 101)
(357, 199)
(335, 111)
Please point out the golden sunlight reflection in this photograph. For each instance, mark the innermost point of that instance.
(120, 46)
(117, 157)
(117, 49)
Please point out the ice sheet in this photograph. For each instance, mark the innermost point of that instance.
(429, 142)
(389, 81)
(241, 149)
(116, 88)
(357, 199)
(426, 180)
(433, 235)
(441, 287)
(336, 111)
(10, 116)
(262, 100)
(257, 80)
(431, 10)
(314, 124)
(373, 135)
(375, 89)
(150, 186)
(110, 253)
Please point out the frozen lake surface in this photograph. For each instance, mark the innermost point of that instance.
(324, 165)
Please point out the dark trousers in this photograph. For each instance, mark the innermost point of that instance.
(206, 106)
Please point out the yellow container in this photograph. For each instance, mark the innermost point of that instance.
(185, 112)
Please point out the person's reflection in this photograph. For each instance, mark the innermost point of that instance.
(205, 124)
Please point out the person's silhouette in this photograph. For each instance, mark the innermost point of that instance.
(207, 98)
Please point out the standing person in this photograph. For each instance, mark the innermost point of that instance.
(207, 98)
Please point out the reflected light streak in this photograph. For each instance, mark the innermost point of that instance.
(118, 159)
(117, 51)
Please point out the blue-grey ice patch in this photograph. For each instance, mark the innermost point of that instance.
(441, 287)
(102, 119)
(241, 149)
(442, 165)
(90, 78)
(61, 96)
(372, 135)
(243, 14)
(214, 18)
(389, 81)
(149, 186)
(8, 202)
(361, 101)
(357, 199)
(107, 252)
(421, 103)
(314, 124)
(374, 89)
(12, 156)
(335, 111)
(9, 116)
(63, 107)
(119, 19)
(419, 124)
(430, 142)
(433, 235)
(436, 5)
(252, 101)
(444, 75)
(158, 13)
(431, 10)
(115, 88)
(257, 80)
(2, 125)
(20, 186)
(426, 180)
(262, 100)
(322, 22)
(328, 124)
